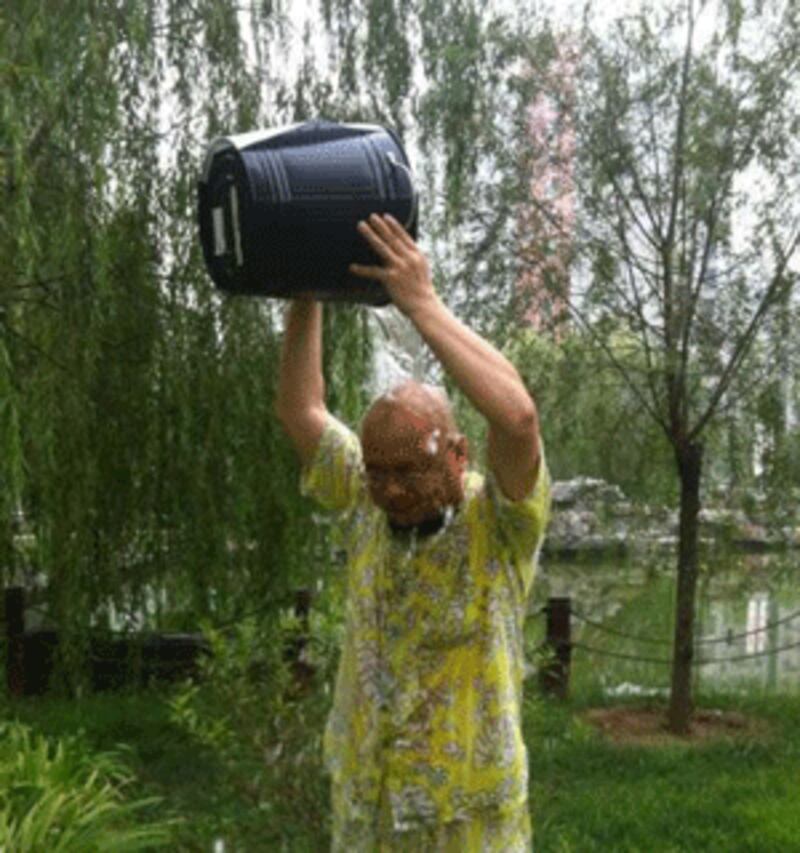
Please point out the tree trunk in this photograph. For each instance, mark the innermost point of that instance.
(690, 462)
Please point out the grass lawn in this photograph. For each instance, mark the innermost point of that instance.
(587, 794)
(741, 794)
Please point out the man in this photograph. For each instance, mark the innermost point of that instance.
(424, 743)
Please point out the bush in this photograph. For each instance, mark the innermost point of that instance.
(265, 726)
(59, 796)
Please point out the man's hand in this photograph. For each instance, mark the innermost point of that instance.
(485, 375)
(405, 273)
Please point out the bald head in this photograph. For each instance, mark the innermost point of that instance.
(413, 453)
(423, 406)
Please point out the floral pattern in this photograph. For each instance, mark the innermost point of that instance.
(429, 687)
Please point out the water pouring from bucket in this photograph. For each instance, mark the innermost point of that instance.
(279, 208)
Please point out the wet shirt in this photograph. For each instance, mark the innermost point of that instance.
(429, 687)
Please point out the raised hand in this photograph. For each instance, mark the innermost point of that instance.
(405, 272)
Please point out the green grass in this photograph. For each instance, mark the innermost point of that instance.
(590, 795)
(586, 794)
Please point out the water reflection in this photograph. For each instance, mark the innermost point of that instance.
(767, 645)
(757, 621)
(747, 631)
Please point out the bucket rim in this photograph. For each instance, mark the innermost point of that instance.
(242, 141)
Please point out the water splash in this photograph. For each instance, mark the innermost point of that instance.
(399, 351)
(432, 447)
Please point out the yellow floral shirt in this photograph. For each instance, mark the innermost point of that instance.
(429, 687)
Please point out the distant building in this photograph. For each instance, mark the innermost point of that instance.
(546, 226)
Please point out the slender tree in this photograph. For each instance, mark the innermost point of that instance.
(688, 224)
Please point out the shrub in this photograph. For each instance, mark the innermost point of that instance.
(265, 727)
(58, 796)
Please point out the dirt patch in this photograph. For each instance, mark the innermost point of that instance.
(647, 726)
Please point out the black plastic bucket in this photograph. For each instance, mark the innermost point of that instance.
(278, 208)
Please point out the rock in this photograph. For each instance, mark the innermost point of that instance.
(754, 537)
(629, 689)
(722, 519)
(593, 544)
(573, 524)
(585, 490)
(623, 509)
(593, 516)
(790, 536)
(666, 542)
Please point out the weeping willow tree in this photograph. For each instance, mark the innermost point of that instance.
(137, 436)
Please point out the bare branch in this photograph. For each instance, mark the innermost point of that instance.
(654, 241)
(659, 225)
(778, 285)
(655, 223)
(623, 371)
(640, 312)
(680, 132)
(673, 380)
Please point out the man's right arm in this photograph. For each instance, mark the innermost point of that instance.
(300, 400)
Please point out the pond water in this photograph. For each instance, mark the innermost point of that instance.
(747, 633)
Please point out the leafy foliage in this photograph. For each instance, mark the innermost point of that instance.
(264, 723)
(592, 424)
(687, 233)
(56, 796)
(136, 428)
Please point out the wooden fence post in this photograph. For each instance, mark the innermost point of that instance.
(14, 606)
(302, 608)
(554, 675)
(302, 672)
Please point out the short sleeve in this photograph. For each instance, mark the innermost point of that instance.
(335, 476)
(520, 525)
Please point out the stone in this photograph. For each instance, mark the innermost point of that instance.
(585, 490)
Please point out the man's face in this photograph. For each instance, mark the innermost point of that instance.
(413, 471)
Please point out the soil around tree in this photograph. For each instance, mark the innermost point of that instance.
(647, 726)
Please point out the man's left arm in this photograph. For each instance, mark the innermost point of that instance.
(488, 379)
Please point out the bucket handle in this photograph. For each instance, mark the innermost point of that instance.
(390, 156)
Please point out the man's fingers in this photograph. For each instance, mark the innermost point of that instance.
(377, 239)
(391, 231)
(378, 273)
(398, 231)
(381, 226)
